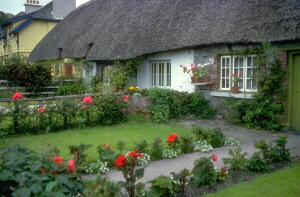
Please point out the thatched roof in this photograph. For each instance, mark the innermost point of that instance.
(123, 29)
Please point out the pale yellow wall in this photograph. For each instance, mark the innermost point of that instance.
(28, 37)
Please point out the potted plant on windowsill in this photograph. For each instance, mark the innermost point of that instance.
(193, 71)
(236, 78)
(203, 69)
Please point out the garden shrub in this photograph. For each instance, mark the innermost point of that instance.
(203, 173)
(26, 173)
(161, 186)
(238, 161)
(62, 114)
(102, 187)
(156, 151)
(167, 104)
(217, 138)
(33, 77)
(186, 144)
(71, 88)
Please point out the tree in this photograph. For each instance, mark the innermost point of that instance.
(4, 17)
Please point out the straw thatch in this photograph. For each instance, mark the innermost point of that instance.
(122, 29)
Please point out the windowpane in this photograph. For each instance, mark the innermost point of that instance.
(160, 73)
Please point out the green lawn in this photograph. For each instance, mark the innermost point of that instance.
(284, 183)
(130, 133)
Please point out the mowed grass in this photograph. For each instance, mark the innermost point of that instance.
(130, 133)
(283, 183)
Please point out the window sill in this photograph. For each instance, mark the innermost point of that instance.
(203, 84)
(229, 94)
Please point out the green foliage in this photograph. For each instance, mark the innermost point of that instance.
(118, 75)
(167, 104)
(33, 77)
(186, 144)
(4, 17)
(102, 187)
(256, 163)
(25, 173)
(213, 136)
(160, 105)
(238, 161)
(203, 174)
(78, 152)
(71, 88)
(63, 114)
(106, 154)
(180, 180)
(217, 138)
(141, 146)
(120, 146)
(156, 151)
(161, 186)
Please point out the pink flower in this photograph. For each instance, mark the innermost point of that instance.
(84, 107)
(87, 99)
(113, 89)
(124, 109)
(17, 95)
(181, 65)
(105, 144)
(192, 65)
(214, 157)
(125, 98)
(57, 159)
(240, 74)
(71, 166)
(42, 170)
(42, 109)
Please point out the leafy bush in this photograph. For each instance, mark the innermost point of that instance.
(186, 144)
(161, 186)
(156, 151)
(203, 173)
(71, 88)
(25, 173)
(167, 104)
(238, 161)
(102, 187)
(33, 77)
(217, 138)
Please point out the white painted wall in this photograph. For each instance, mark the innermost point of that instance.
(179, 81)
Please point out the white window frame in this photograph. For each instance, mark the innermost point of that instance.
(160, 73)
(244, 65)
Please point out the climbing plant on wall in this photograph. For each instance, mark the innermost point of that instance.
(267, 108)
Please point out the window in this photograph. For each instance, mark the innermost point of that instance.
(160, 74)
(242, 66)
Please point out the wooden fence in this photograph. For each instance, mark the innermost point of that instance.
(60, 81)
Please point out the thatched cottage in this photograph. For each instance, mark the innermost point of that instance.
(164, 34)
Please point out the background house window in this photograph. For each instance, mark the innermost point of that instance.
(160, 74)
(242, 66)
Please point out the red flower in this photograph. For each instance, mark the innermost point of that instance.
(105, 144)
(84, 107)
(192, 65)
(172, 138)
(181, 65)
(88, 99)
(113, 89)
(223, 170)
(135, 154)
(17, 95)
(42, 170)
(42, 109)
(71, 166)
(125, 98)
(214, 157)
(240, 74)
(233, 75)
(57, 159)
(120, 161)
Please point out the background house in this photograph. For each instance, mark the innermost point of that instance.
(165, 33)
